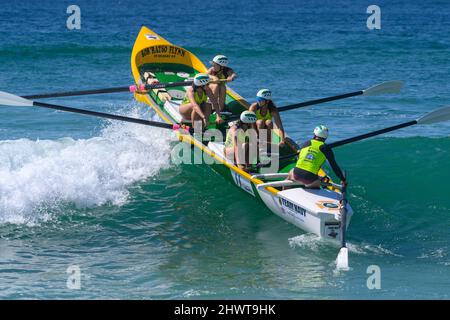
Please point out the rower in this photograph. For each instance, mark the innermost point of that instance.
(220, 72)
(195, 106)
(265, 110)
(241, 139)
(313, 154)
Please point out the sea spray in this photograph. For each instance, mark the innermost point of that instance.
(85, 172)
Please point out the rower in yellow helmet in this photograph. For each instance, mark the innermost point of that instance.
(195, 106)
(220, 71)
(267, 113)
(241, 141)
(313, 154)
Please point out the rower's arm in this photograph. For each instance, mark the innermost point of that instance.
(214, 102)
(279, 123)
(252, 107)
(232, 76)
(328, 152)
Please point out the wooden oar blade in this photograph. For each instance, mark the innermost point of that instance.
(8, 99)
(388, 87)
(439, 115)
(342, 260)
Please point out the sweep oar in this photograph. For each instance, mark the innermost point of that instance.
(382, 88)
(132, 88)
(342, 258)
(438, 115)
(138, 89)
(8, 99)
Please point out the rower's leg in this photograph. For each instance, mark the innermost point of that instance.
(196, 120)
(186, 111)
(240, 155)
(207, 110)
(314, 185)
(269, 126)
(215, 90)
(194, 116)
(222, 96)
(246, 147)
(291, 177)
(260, 126)
(229, 154)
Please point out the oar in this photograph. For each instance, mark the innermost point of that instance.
(342, 258)
(132, 88)
(8, 99)
(382, 88)
(439, 115)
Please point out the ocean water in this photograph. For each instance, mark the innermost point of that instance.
(104, 196)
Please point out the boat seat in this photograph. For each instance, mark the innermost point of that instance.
(161, 93)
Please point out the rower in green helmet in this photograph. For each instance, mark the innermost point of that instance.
(241, 140)
(313, 154)
(267, 113)
(220, 73)
(195, 106)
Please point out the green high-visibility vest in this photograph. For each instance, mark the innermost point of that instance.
(311, 158)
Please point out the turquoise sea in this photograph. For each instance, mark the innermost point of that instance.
(104, 196)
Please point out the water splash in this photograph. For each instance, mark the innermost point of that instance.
(37, 177)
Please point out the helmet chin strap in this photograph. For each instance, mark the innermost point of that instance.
(319, 138)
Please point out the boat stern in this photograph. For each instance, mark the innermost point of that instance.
(313, 210)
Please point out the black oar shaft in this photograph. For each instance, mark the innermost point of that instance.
(344, 216)
(319, 101)
(371, 134)
(76, 93)
(104, 115)
(106, 90)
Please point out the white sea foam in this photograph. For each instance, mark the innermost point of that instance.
(36, 176)
(314, 243)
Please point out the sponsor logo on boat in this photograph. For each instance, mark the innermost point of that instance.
(292, 207)
(163, 51)
(327, 204)
(150, 36)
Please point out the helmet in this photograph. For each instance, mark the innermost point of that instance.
(248, 117)
(201, 79)
(264, 94)
(221, 60)
(321, 132)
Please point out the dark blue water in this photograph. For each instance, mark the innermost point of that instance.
(105, 196)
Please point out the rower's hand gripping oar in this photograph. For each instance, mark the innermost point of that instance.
(138, 89)
(438, 115)
(342, 258)
(382, 88)
(8, 99)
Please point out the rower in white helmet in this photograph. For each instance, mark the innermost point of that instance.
(241, 140)
(195, 106)
(220, 73)
(267, 113)
(313, 154)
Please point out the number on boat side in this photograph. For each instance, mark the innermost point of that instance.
(242, 182)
